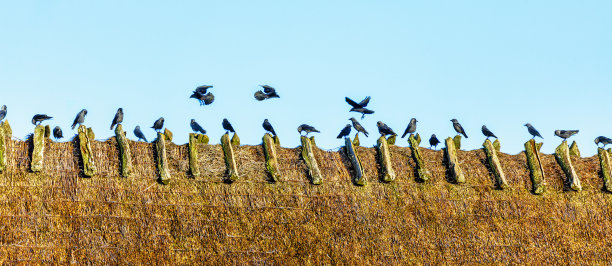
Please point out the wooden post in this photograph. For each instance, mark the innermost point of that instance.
(606, 168)
(349, 149)
(356, 140)
(195, 140)
(125, 156)
(532, 151)
(384, 158)
(391, 140)
(269, 147)
(235, 140)
(86, 135)
(457, 142)
(562, 154)
(316, 178)
(38, 153)
(162, 158)
(422, 173)
(573, 150)
(3, 139)
(230, 159)
(453, 162)
(498, 173)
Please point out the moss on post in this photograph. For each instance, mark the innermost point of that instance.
(497, 145)
(162, 159)
(457, 142)
(276, 140)
(86, 135)
(3, 140)
(573, 150)
(391, 140)
(562, 154)
(532, 151)
(606, 168)
(316, 178)
(7, 128)
(312, 141)
(38, 152)
(349, 149)
(194, 140)
(168, 134)
(384, 158)
(422, 173)
(269, 147)
(453, 162)
(230, 160)
(498, 173)
(125, 156)
(356, 142)
(235, 140)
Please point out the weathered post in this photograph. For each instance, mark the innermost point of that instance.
(457, 142)
(453, 162)
(125, 156)
(269, 147)
(162, 158)
(391, 140)
(491, 152)
(532, 151)
(562, 154)
(384, 158)
(316, 178)
(195, 140)
(573, 150)
(38, 153)
(349, 149)
(356, 140)
(422, 173)
(230, 159)
(606, 168)
(86, 135)
(4, 137)
(235, 140)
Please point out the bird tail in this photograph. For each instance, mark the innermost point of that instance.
(405, 133)
(366, 134)
(465, 135)
(74, 125)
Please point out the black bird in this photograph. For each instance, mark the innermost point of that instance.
(57, 133)
(196, 127)
(458, 128)
(384, 130)
(565, 134)
(363, 111)
(269, 91)
(80, 118)
(2, 112)
(434, 141)
(37, 119)
(308, 129)
(411, 128)
(227, 126)
(487, 132)
(202, 89)
(358, 126)
(118, 118)
(604, 140)
(533, 131)
(198, 96)
(268, 127)
(159, 124)
(356, 105)
(345, 131)
(139, 134)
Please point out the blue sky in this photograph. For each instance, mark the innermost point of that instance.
(499, 63)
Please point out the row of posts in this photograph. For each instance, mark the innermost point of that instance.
(563, 155)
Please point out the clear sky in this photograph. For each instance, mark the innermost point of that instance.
(499, 63)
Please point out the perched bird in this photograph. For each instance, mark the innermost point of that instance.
(227, 126)
(363, 111)
(2, 112)
(159, 124)
(434, 141)
(361, 104)
(37, 119)
(118, 118)
(308, 129)
(487, 132)
(533, 131)
(384, 130)
(604, 140)
(358, 126)
(268, 127)
(139, 134)
(345, 131)
(196, 127)
(565, 134)
(458, 128)
(271, 92)
(411, 128)
(202, 89)
(80, 118)
(57, 133)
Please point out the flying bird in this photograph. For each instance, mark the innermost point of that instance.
(202, 89)
(118, 118)
(208, 98)
(411, 128)
(271, 92)
(57, 133)
(159, 124)
(358, 127)
(604, 140)
(533, 131)
(363, 111)
(37, 119)
(361, 104)
(565, 134)
(227, 126)
(384, 130)
(487, 132)
(196, 127)
(260, 96)
(204, 99)
(268, 127)
(80, 118)
(306, 128)
(345, 131)
(139, 134)
(434, 141)
(2, 112)
(458, 128)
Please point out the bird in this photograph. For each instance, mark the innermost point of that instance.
(361, 104)
(358, 127)
(270, 91)
(38, 118)
(533, 131)
(139, 134)
(306, 128)
(227, 126)
(202, 89)
(345, 131)
(362, 110)
(80, 118)
(384, 130)
(458, 128)
(196, 127)
(565, 134)
(604, 140)
(487, 132)
(2, 112)
(434, 141)
(57, 133)
(159, 124)
(118, 118)
(268, 127)
(260, 96)
(411, 128)
(204, 99)
(208, 98)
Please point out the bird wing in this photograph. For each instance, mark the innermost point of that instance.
(267, 88)
(260, 96)
(352, 103)
(365, 101)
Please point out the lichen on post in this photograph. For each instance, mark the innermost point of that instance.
(162, 159)
(3, 139)
(194, 141)
(491, 153)
(38, 152)
(453, 162)
(532, 151)
(7, 128)
(316, 178)
(457, 142)
(235, 140)
(422, 173)
(86, 135)
(230, 159)
(573, 150)
(562, 154)
(356, 140)
(349, 149)
(391, 140)
(125, 156)
(269, 147)
(606, 168)
(384, 158)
